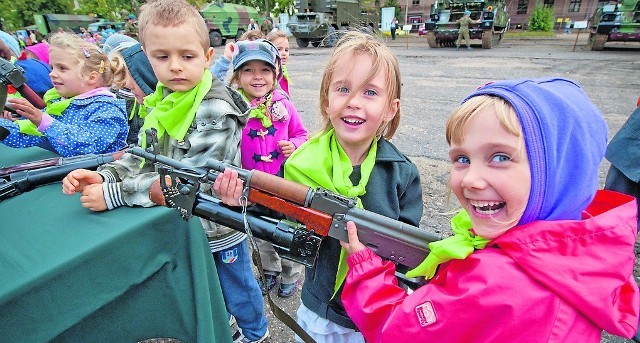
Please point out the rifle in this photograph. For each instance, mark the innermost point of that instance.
(319, 212)
(15, 180)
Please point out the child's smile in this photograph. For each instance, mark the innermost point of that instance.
(490, 174)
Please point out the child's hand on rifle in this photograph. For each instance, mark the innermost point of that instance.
(354, 244)
(229, 187)
(24, 108)
(78, 179)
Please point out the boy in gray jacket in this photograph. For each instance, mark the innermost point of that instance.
(197, 119)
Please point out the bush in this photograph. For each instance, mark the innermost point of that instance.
(541, 19)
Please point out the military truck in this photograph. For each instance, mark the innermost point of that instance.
(442, 29)
(320, 21)
(615, 23)
(47, 23)
(227, 21)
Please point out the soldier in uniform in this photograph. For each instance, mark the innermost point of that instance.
(464, 23)
(131, 26)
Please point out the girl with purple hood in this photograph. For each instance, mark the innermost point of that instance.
(545, 257)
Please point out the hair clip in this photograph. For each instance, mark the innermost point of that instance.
(101, 67)
(86, 52)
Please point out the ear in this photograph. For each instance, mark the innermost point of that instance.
(94, 77)
(394, 106)
(208, 54)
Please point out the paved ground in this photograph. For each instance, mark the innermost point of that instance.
(434, 82)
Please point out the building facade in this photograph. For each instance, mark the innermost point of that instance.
(417, 11)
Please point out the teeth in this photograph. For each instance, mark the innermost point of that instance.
(353, 121)
(487, 207)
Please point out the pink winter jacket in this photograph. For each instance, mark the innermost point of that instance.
(259, 143)
(546, 281)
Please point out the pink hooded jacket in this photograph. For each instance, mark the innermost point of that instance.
(546, 281)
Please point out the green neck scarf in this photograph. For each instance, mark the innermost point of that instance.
(175, 112)
(322, 162)
(137, 109)
(260, 107)
(52, 108)
(285, 74)
(458, 246)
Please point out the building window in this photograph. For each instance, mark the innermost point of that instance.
(522, 6)
(574, 5)
(548, 3)
(415, 2)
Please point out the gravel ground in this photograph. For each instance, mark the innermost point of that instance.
(434, 82)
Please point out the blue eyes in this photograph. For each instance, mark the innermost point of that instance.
(495, 158)
(368, 92)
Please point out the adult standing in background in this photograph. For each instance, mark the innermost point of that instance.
(266, 26)
(464, 23)
(252, 25)
(393, 27)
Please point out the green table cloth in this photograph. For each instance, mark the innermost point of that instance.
(70, 275)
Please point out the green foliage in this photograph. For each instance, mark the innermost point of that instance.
(541, 19)
(17, 14)
(393, 3)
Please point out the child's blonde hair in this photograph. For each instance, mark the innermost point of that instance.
(357, 43)
(171, 13)
(275, 34)
(90, 59)
(457, 122)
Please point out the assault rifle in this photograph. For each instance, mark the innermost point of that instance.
(318, 212)
(20, 178)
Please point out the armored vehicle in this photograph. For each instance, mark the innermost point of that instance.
(227, 21)
(615, 23)
(319, 21)
(442, 29)
(47, 23)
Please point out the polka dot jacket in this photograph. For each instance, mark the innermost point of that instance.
(92, 125)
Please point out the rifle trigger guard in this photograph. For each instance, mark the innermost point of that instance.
(182, 191)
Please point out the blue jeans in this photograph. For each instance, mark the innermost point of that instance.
(240, 289)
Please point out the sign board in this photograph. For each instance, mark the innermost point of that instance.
(406, 27)
(386, 16)
(580, 24)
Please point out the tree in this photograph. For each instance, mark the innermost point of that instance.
(15, 19)
(541, 19)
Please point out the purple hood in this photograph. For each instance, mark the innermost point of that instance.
(566, 138)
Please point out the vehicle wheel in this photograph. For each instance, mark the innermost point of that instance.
(215, 39)
(303, 43)
(596, 41)
(487, 39)
(316, 43)
(332, 37)
(431, 40)
(239, 34)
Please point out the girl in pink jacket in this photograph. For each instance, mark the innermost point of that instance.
(546, 256)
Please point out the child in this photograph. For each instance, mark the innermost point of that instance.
(359, 103)
(221, 67)
(82, 116)
(273, 132)
(281, 42)
(141, 81)
(198, 119)
(554, 256)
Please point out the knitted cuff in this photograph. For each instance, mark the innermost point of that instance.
(113, 194)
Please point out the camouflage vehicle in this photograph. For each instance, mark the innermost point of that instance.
(319, 22)
(227, 21)
(47, 23)
(615, 23)
(442, 29)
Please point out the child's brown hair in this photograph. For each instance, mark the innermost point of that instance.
(169, 13)
(90, 59)
(358, 43)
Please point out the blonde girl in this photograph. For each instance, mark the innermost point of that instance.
(81, 116)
